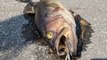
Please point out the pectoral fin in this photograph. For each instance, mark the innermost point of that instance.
(81, 23)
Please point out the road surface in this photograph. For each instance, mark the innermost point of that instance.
(15, 31)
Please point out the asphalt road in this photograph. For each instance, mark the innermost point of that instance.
(15, 31)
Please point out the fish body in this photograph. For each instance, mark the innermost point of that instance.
(60, 27)
(52, 17)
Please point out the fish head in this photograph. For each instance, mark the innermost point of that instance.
(61, 43)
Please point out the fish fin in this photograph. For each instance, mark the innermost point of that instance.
(30, 8)
(81, 23)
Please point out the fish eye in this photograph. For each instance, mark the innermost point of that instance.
(49, 35)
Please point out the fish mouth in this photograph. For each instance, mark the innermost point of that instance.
(61, 50)
(62, 44)
(62, 47)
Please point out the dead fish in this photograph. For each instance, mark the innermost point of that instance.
(56, 25)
